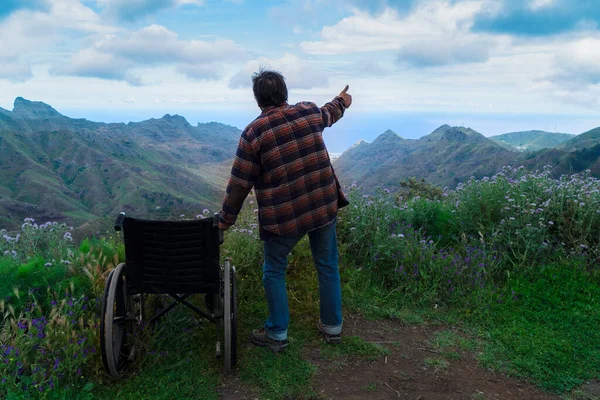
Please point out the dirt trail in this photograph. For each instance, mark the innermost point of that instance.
(404, 373)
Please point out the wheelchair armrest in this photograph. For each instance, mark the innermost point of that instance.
(119, 222)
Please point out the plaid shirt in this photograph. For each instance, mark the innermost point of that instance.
(282, 155)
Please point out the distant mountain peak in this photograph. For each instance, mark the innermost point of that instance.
(176, 119)
(453, 134)
(361, 141)
(34, 109)
(388, 136)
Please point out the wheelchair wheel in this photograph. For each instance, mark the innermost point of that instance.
(233, 317)
(230, 316)
(116, 328)
(104, 297)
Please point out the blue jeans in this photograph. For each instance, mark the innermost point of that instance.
(323, 245)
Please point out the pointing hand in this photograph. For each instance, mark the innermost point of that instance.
(346, 97)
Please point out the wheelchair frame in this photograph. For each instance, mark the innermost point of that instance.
(162, 261)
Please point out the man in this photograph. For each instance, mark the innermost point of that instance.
(282, 155)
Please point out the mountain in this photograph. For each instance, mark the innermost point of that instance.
(57, 168)
(445, 157)
(585, 140)
(532, 140)
(450, 155)
(580, 153)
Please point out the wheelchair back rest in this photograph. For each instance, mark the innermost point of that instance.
(172, 256)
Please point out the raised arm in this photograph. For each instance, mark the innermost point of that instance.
(334, 110)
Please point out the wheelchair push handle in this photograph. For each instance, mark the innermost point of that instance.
(216, 219)
(119, 222)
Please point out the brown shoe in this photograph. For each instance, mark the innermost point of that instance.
(330, 339)
(260, 338)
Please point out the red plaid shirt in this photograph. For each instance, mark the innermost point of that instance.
(282, 155)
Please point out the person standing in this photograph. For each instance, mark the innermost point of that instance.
(282, 155)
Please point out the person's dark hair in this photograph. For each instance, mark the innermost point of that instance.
(269, 88)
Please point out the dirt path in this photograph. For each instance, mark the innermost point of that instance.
(407, 372)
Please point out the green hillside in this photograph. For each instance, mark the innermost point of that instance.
(450, 155)
(532, 140)
(445, 157)
(72, 170)
(585, 140)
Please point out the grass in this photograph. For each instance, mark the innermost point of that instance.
(177, 364)
(354, 346)
(547, 331)
(437, 364)
(509, 291)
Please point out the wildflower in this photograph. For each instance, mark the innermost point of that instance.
(550, 223)
(400, 235)
(583, 246)
(206, 211)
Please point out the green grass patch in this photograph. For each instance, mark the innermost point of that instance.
(354, 346)
(281, 375)
(545, 328)
(436, 363)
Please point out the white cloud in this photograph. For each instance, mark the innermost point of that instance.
(539, 4)
(579, 62)
(15, 70)
(431, 22)
(95, 64)
(118, 54)
(298, 73)
(27, 34)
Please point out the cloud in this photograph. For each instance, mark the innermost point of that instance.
(578, 63)
(434, 33)
(298, 73)
(539, 4)
(371, 67)
(15, 70)
(95, 64)
(130, 10)
(201, 72)
(31, 34)
(455, 50)
(7, 7)
(119, 53)
(540, 17)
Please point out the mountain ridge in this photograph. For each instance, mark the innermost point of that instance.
(53, 167)
(532, 140)
(450, 155)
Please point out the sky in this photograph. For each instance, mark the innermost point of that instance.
(412, 65)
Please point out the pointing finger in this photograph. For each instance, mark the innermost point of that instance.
(346, 89)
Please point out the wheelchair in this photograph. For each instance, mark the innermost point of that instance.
(173, 258)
